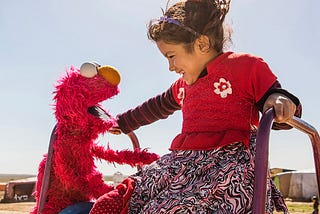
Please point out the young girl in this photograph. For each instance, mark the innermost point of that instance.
(210, 168)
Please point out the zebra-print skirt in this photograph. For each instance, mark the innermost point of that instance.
(216, 181)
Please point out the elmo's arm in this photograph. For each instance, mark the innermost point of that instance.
(132, 158)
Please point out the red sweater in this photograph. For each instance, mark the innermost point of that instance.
(220, 108)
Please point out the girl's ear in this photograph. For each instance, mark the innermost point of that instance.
(203, 44)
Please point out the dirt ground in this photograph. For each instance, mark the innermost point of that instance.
(16, 208)
(25, 207)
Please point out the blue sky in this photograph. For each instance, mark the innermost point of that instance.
(40, 39)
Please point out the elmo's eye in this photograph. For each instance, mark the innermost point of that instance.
(88, 70)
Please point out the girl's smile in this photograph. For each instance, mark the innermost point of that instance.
(188, 64)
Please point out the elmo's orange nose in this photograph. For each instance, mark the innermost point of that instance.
(110, 74)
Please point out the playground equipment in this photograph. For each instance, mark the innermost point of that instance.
(261, 161)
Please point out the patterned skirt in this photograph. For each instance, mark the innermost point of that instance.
(216, 181)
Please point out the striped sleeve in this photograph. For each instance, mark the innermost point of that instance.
(158, 107)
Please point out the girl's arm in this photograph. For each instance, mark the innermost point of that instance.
(158, 107)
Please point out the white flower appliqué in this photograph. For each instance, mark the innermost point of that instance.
(222, 88)
(181, 95)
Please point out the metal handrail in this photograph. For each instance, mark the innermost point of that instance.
(262, 154)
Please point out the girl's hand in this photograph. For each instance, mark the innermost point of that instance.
(284, 108)
(115, 130)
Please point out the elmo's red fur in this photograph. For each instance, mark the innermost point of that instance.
(74, 177)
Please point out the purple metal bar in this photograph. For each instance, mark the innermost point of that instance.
(262, 153)
(134, 140)
(261, 163)
(135, 143)
(47, 169)
(315, 141)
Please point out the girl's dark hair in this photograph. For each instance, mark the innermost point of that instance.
(206, 17)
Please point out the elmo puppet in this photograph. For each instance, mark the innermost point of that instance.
(80, 119)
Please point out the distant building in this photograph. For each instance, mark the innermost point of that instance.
(20, 190)
(117, 178)
(297, 185)
(3, 186)
(275, 171)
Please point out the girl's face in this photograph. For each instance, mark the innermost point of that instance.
(188, 65)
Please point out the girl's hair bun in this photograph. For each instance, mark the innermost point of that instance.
(221, 5)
